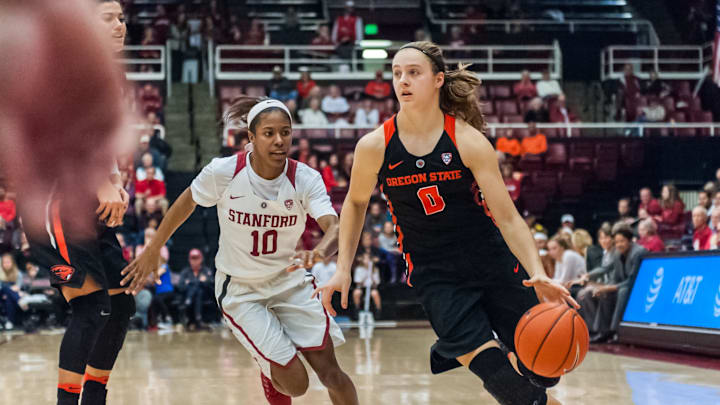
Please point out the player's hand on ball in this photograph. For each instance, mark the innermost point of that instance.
(111, 208)
(340, 281)
(305, 259)
(550, 291)
(139, 269)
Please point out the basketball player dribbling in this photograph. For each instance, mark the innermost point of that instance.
(263, 199)
(86, 264)
(469, 254)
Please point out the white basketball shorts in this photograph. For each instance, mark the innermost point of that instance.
(276, 319)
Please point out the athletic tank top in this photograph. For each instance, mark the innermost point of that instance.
(437, 207)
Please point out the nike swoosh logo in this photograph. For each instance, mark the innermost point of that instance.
(392, 167)
(103, 313)
(234, 197)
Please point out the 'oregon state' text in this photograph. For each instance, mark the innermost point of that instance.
(420, 178)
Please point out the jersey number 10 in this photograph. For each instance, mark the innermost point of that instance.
(269, 243)
(431, 200)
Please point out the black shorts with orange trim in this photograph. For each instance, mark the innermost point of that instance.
(468, 298)
(100, 259)
(71, 257)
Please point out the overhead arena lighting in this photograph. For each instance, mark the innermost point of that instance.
(374, 54)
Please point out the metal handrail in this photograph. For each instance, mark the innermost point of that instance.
(651, 56)
(485, 55)
(154, 76)
(635, 128)
(570, 25)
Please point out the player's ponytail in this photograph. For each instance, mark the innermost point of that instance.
(457, 95)
(236, 114)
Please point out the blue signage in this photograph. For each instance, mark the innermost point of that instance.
(678, 291)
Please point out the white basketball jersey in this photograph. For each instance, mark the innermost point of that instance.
(258, 237)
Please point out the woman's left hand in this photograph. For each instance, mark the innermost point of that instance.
(305, 259)
(550, 291)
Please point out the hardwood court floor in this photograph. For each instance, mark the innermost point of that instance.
(391, 368)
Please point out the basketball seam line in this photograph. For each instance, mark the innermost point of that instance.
(572, 340)
(546, 335)
(528, 322)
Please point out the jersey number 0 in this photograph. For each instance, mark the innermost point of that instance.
(269, 242)
(431, 200)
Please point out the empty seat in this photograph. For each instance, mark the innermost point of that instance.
(486, 107)
(581, 156)
(570, 185)
(534, 202)
(546, 181)
(513, 119)
(500, 91)
(531, 163)
(506, 107)
(632, 154)
(556, 154)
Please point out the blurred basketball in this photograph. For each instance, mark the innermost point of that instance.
(551, 339)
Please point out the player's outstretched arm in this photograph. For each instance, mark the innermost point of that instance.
(148, 261)
(363, 179)
(479, 156)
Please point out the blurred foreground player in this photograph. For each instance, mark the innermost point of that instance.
(61, 118)
(470, 255)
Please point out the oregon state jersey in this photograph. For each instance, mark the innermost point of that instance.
(437, 207)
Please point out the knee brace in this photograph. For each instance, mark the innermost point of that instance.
(90, 314)
(537, 380)
(112, 336)
(502, 381)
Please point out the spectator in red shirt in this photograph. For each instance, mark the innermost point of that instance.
(560, 113)
(348, 27)
(647, 229)
(702, 232)
(512, 185)
(305, 84)
(7, 208)
(378, 89)
(150, 194)
(304, 151)
(671, 206)
(322, 37)
(256, 34)
(630, 93)
(649, 206)
(525, 89)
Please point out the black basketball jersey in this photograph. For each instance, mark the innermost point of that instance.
(436, 204)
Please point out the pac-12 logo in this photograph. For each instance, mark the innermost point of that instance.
(716, 307)
(654, 290)
(289, 204)
(446, 158)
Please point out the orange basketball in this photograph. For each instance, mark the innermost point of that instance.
(551, 339)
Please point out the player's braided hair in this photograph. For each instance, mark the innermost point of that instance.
(457, 95)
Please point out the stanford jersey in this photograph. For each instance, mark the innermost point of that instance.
(258, 236)
(436, 205)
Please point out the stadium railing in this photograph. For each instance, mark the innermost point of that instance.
(254, 62)
(672, 62)
(561, 130)
(136, 56)
(644, 27)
